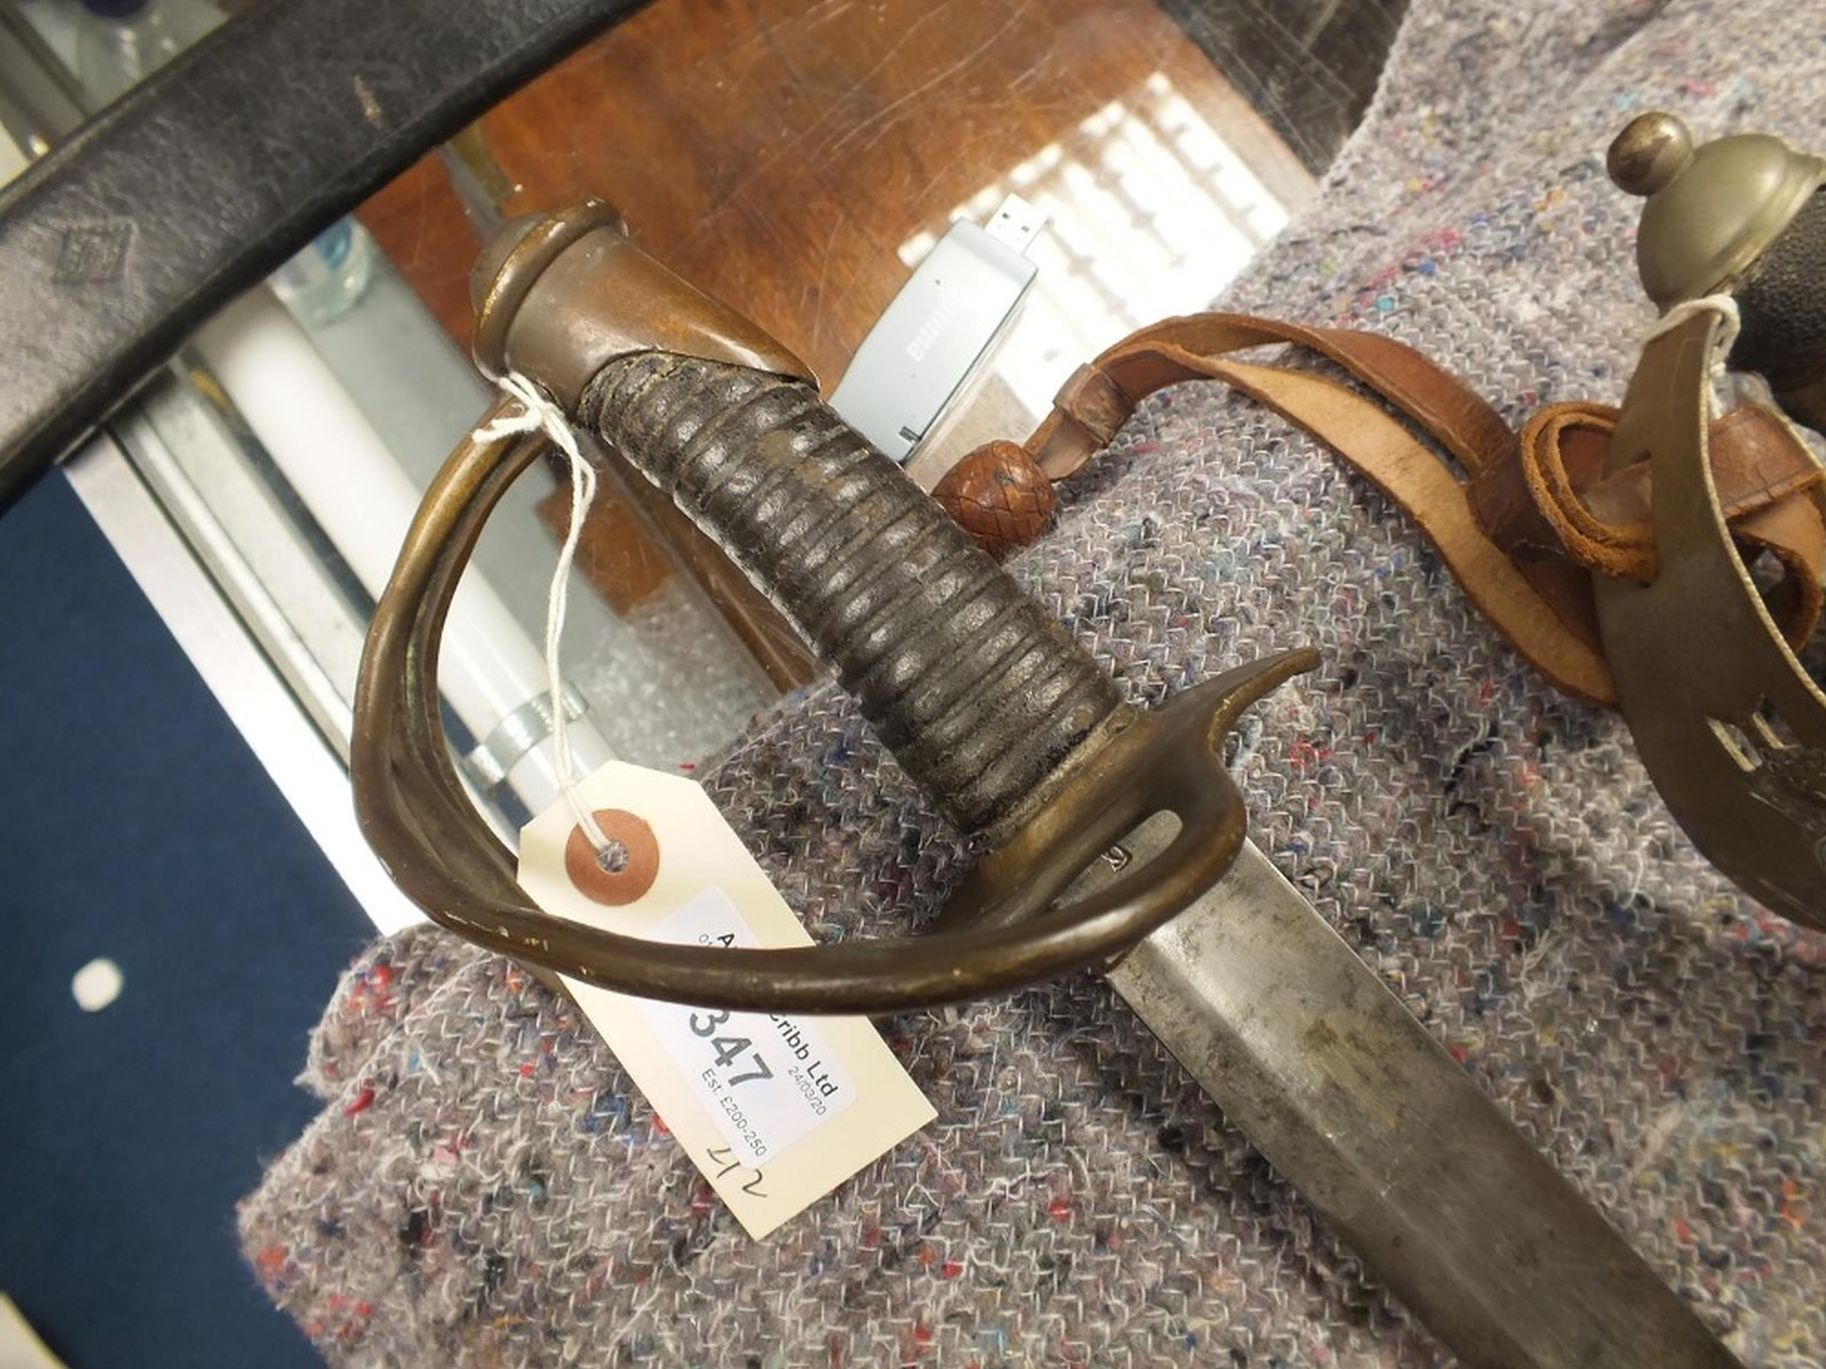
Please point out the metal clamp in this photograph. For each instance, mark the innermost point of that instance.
(514, 737)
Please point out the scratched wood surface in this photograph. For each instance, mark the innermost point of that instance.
(780, 153)
(796, 158)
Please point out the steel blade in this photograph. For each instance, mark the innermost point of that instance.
(1353, 1101)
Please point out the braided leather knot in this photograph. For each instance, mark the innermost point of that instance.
(999, 496)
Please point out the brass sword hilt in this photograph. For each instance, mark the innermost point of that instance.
(1018, 733)
(1730, 725)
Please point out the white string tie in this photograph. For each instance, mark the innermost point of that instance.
(1725, 306)
(538, 414)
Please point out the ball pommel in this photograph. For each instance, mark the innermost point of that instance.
(1651, 150)
(1711, 210)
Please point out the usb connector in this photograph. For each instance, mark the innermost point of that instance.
(1015, 223)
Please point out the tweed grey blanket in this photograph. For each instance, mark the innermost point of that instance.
(484, 1186)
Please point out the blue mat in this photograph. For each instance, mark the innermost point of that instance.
(135, 825)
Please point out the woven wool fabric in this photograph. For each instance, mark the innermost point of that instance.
(484, 1186)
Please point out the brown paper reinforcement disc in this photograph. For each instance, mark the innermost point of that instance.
(613, 887)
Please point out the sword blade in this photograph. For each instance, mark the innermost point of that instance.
(1353, 1101)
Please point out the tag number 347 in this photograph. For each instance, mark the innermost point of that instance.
(729, 1048)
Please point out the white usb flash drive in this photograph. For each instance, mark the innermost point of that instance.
(928, 341)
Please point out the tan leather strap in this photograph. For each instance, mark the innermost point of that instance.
(1389, 455)
(1532, 518)
(1550, 498)
(1097, 400)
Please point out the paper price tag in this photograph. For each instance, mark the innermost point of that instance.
(765, 1080)
(774, 1110)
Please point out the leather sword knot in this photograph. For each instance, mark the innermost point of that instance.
(999, 496)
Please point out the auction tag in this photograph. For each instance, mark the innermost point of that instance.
(775, 1110)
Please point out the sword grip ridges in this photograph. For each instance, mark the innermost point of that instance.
(975, 689)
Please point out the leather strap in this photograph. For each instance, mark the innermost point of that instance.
(1097, 400)
(1523, 522)
(1551, 499)
(1386, 452)
(204, 179)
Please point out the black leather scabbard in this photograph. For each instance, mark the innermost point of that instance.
(200, 182)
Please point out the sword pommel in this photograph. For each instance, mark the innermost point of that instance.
(559, 297)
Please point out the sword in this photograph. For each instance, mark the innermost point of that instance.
(1114, 835)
